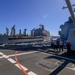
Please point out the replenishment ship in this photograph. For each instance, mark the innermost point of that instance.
(36, 35)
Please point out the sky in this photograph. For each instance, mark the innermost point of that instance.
(30, 14)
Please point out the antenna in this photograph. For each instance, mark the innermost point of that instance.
(69, 6)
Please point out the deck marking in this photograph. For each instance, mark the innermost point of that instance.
(1, 53)
(21, 66)
(5, 56)
(31, 73)
(71, 68)
(23, 70)
(22, 53)
(59, 56)
(11, 60)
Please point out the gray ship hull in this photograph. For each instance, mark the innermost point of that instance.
(8, 40)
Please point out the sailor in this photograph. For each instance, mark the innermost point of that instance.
(52, 44)
(58, 43)
(61, 46)
(55, 45)
(68, 45)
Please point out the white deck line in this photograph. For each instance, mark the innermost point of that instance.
(71, 68)
(60, 57)
(31, 73)
(11, 60)
(22, 53)
(1, 53)
(22, 67)
(5, 56)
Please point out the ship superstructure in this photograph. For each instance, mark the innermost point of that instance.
(65, 29)
(67, 32)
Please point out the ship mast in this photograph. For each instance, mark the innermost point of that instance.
(70, 10)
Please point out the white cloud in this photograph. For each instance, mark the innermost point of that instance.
(45, 16)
